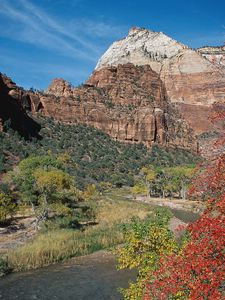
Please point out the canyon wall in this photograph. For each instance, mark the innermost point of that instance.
(146, 88)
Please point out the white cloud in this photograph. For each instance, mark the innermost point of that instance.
(35, 26)
(48, 21)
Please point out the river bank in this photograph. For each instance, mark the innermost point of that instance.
(26, 249)
(52, 246)
(177, 204)
(93, 276)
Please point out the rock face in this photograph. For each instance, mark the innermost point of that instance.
(141, 47)
(215, 55)
(128, 102)
(192, 82)
(13, 101)
(146, 88)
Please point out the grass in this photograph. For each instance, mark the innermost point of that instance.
(58, 245)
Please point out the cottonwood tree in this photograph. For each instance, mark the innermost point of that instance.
(45, 186)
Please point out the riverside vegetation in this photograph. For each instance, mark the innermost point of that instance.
(70, 183)
(57, 243)
(194, 267)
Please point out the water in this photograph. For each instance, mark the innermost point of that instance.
(91, 277)
(185, 216)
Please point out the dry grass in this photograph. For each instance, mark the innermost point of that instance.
(58, 245)
(121, 211)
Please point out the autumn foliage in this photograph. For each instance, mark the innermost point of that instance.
(197, 271)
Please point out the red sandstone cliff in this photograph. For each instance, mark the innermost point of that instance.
(192, 81)
(127, 102)
(146, 88)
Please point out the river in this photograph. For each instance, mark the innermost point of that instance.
(91, 277)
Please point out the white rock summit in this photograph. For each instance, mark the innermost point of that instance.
(194, 80)
(141, 47)
(147, 47)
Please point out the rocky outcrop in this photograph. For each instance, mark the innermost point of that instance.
(59, 87)
(192, 82)
(141, 47)
(215, 55)
(127, 102)
(146, 88)
(13, 101)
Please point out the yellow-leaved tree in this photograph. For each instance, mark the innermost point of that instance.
(145, 242)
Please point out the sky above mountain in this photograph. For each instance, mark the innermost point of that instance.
(44, 39)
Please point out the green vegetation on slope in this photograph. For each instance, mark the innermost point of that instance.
(97, 156)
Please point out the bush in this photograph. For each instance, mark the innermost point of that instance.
(145, 241)
(4, 266)
(7, 207)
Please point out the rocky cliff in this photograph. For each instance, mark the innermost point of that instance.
(192, 82)
(128, 102)
(215, 55)
(13, 104)
(146, 88)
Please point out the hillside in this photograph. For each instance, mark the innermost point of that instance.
(97, 157)
(147, 88)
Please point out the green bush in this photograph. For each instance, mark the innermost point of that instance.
(4, 266)
(96, 156)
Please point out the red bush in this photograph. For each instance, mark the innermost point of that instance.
(198, 271)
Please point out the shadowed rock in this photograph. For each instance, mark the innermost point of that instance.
(11, 109)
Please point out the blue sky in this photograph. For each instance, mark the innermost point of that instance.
(44, 39)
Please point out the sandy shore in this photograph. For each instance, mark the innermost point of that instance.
(180, 204)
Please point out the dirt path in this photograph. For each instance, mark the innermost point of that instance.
(21, 231)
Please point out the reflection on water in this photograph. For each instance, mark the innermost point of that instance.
(91, 277)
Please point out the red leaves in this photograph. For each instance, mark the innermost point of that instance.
(198, 272)
(181, 227)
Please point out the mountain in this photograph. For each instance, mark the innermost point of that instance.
(146, 88)
(193, 82)
(214, 54)
(128, 102)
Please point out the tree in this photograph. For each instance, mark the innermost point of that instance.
(45, 186)
(52, 187)
(197, 271)
(139, 188)
(168, 181)
(7, 206)
(23, 175)
(144, 243)
(149, 176)
(180, 178)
